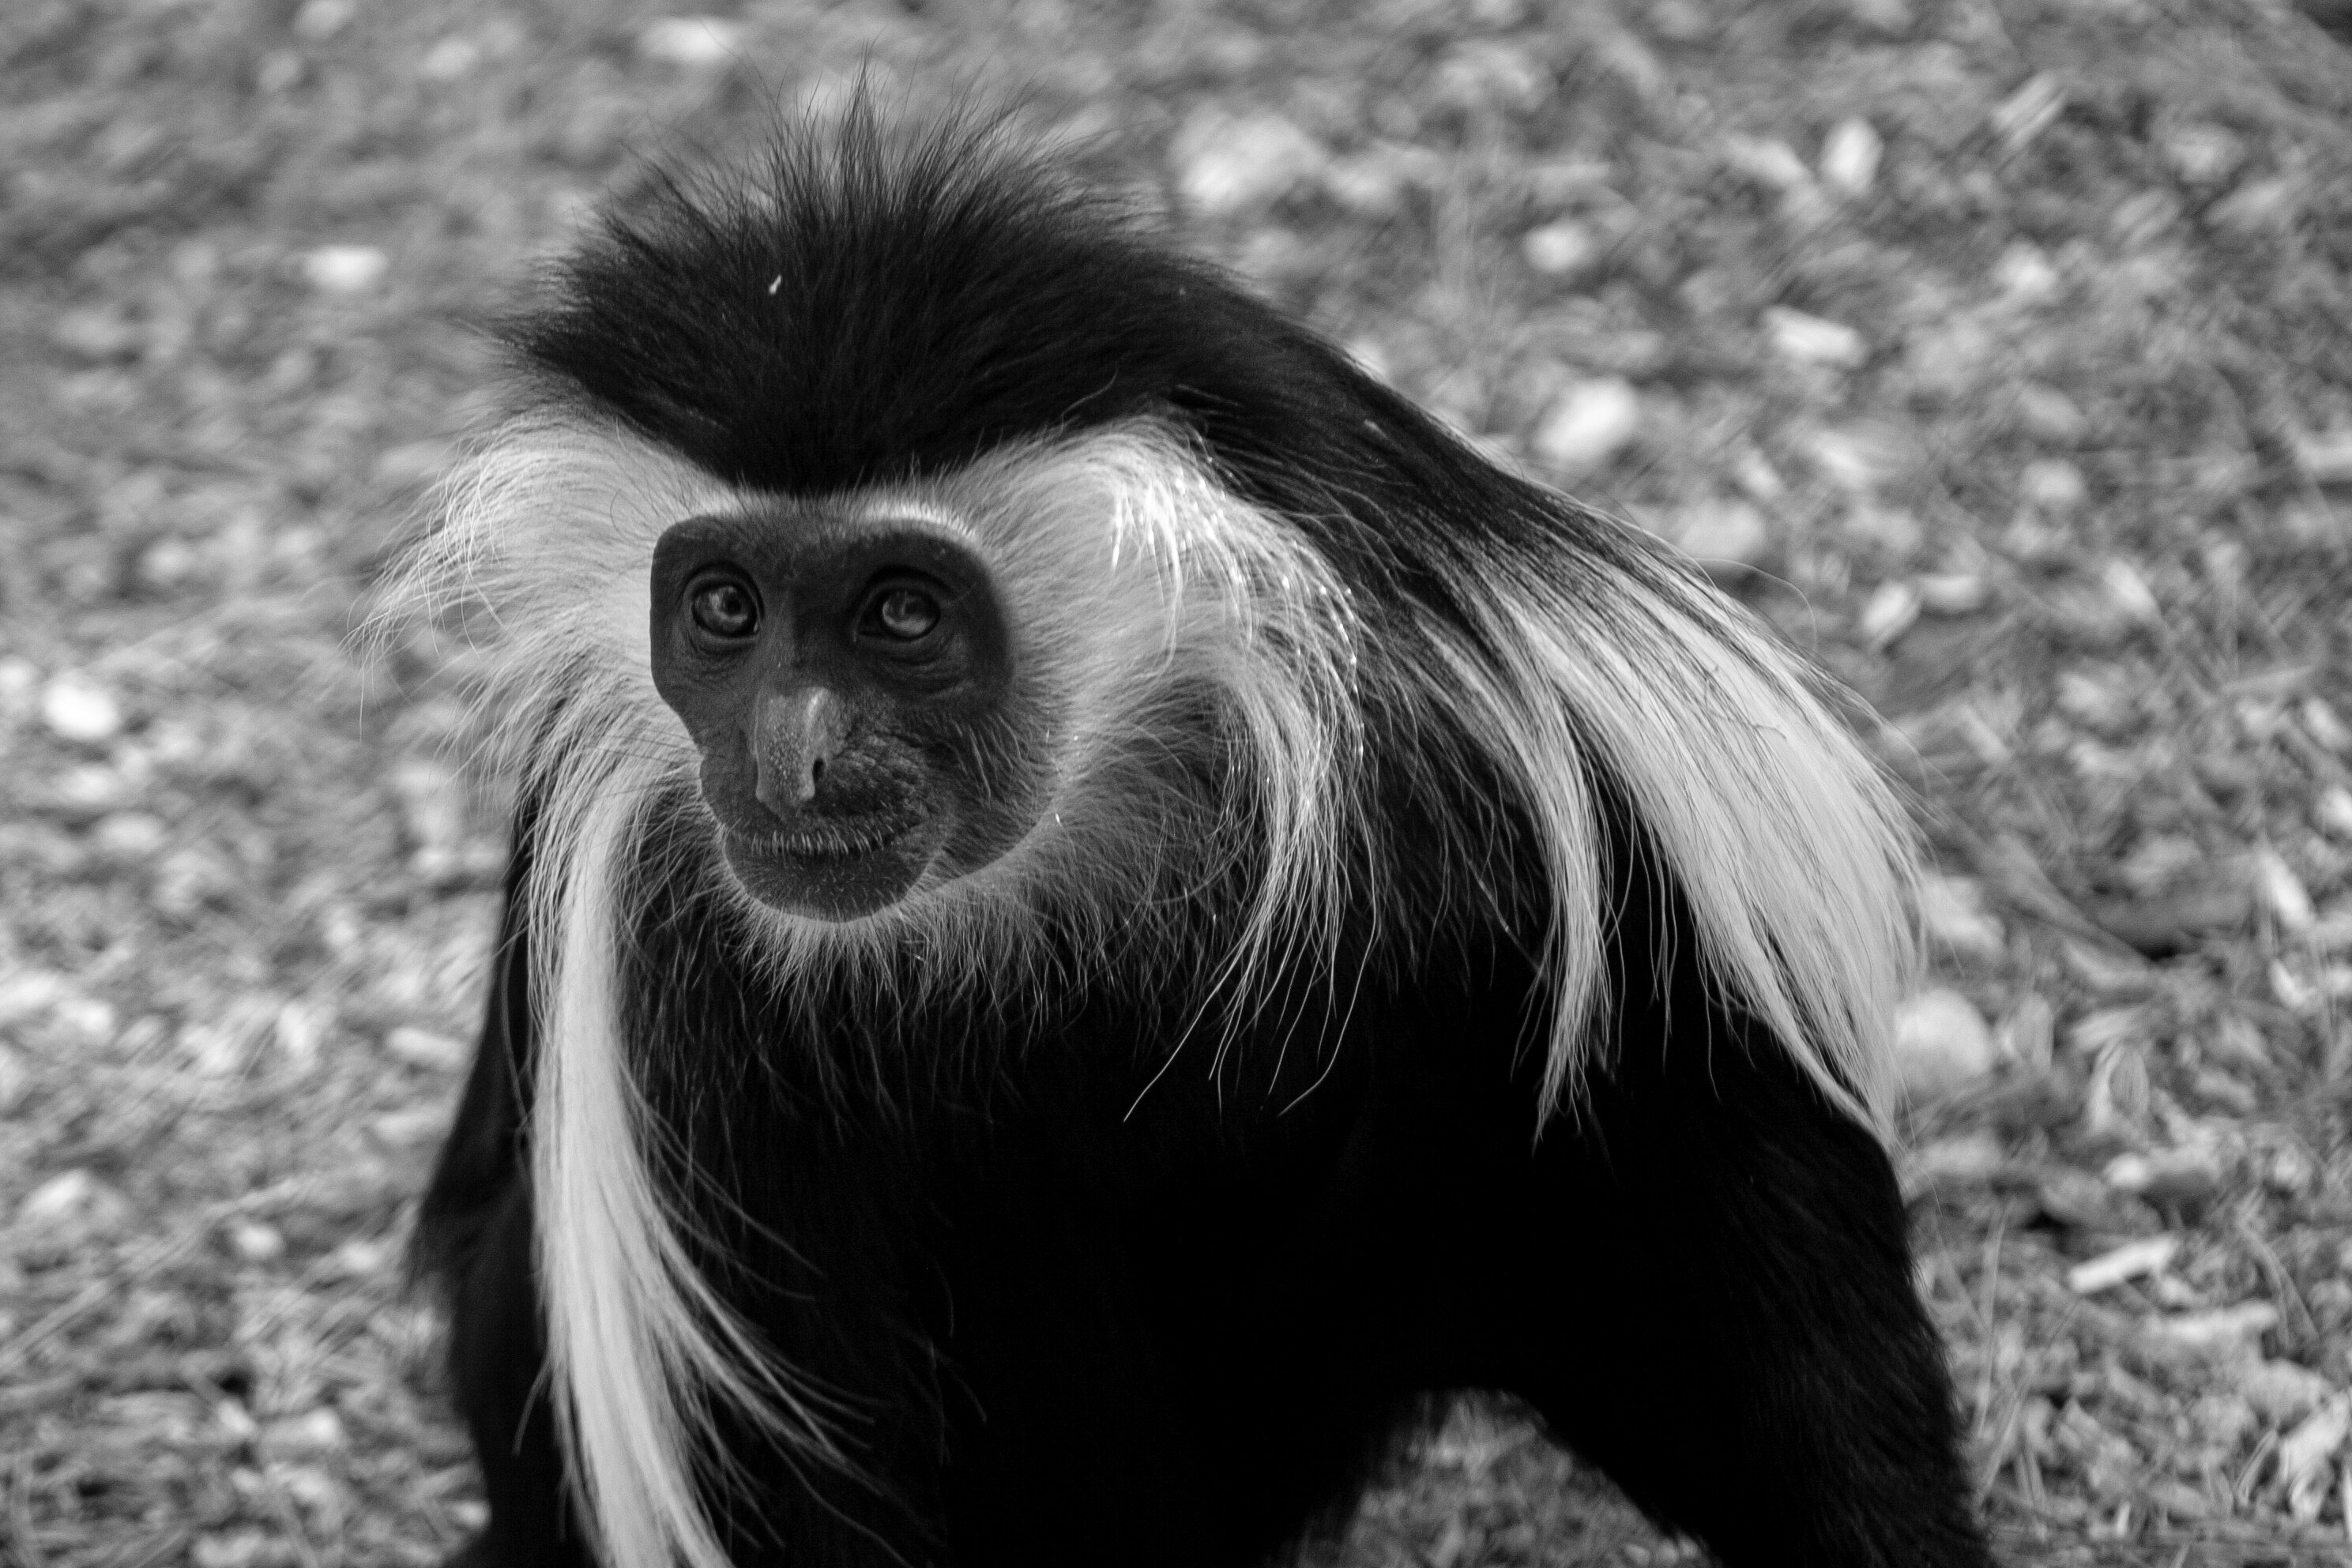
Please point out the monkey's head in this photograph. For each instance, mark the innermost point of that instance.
(848, 680)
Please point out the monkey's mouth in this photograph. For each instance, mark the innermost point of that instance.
(826, 840)
(834, 868)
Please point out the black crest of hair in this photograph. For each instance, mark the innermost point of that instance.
(1063, 1306)
(875, 303)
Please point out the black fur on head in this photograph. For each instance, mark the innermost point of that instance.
(880, 303)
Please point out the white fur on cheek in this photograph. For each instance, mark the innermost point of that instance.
(546, 549)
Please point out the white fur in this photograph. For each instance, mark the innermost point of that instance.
(1792, 849)
(1134, 581)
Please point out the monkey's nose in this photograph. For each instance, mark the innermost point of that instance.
(800, 732)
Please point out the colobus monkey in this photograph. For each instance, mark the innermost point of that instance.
(1102, 912)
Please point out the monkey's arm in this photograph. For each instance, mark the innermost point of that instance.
(484, 1157)
(474, 1243)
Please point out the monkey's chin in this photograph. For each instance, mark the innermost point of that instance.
(834, 873)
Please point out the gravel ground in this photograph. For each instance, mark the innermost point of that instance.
(1999, 351)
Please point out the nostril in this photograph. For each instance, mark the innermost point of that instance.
(816, 772)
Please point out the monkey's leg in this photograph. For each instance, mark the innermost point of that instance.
(474, 1241)
(1738, 1342)
(498, 1362)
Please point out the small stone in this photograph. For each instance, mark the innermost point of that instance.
(2021, 117)
(2048, 414)
(2325, 455)
(2028, 1033)
(2302, 1467)
(1814, 339)
(1370, 185)
(298, 1030)
(169, 563)
(345, 269)
(1861, 456)
(2223, 1334)
(694, 42)
(409, 1129)
(85, 1022)
(30, 993)
(214, 1049)
(1588, 425)
(2168, 1175)
(1889, 532)
(1954, 592)
(19, 679)
(2076, 1200)
(97, 335)
(2283, 893)
(2289, 1172)
(1964, 1160)
(242, 1548)
(1952, 912)
(2132, 1260)
(1891, 610)
(1729, 538)
(449, 60)
(1890, 18)
(2115, 1102)
(2129, 592)
(79, 710)
(2321, 722)
(92, 788)
(1769, 163)
(280, 71)
(129, 835)
(422, 1048)
(362, 1255)
(320, 20)
(1681, 21)
(2203, 154)
(2283, 1391)
(2293, 992)
(1228, 165)
(74, 1206)
(2026, 276)
(255, 1242)
(315, 1431)
(1757, 478)
(16, 1079)
(1850, 156)
(432, 801)
(2052, 485)
(413, 463)
(2333, 811)
(1941, 1045)
(1489, 75)
(2258, 205)
(2224, 1420)
(1556, 249)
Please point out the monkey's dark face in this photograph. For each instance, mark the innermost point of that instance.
(850, 687)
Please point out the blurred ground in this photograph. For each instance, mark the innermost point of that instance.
(2000, 351)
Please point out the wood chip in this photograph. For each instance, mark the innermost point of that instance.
(2132, 1260)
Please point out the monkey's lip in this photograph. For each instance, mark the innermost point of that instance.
(849, 839)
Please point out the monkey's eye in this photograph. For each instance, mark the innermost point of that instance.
(725, 609)
(903, 614)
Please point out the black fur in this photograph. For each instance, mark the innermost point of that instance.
(1075, 1309)
(742, 326)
